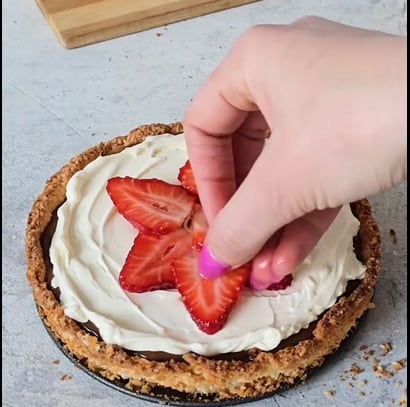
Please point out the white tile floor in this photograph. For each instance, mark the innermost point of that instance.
(56, 103)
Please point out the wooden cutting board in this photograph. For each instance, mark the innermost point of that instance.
(82, 22)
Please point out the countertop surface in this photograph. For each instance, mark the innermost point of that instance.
(57, 103)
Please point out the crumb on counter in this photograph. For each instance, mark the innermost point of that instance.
(386, 348)
(393, 235)
(329, 394)
(399, 364)
(55, 362)
(367, 354)
(355, 370)
(381, 372)
(403, 401)
(65, 377)
(375, 361)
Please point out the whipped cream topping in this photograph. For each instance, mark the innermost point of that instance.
(92, 240)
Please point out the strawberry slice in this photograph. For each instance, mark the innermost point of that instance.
(282, 284)
(209, 302)
(148, 264)
(151, 204)
(199, 227)
(186, 178)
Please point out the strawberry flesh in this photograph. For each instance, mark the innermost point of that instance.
(282, 284)
(148, 263)
(199, 227)
(209, 302)
(150, 204)
(186, 178)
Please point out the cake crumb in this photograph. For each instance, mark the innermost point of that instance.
(159, 34)
(55, 362)
(362, 394)
(393, 235)
(363, 383)
(355, 369)
(65, 377)
(375, 362)
(363, 347)
(399, 383)
(380, 372)
(329, 394)
(403, 401)
(392, 401)
(367, 354)
(399, 364)
(386, 348)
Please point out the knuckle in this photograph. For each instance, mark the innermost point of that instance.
(308, 20)
(255, 35)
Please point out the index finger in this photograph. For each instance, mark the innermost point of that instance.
(210, 121)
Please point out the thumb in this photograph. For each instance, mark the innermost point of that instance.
(253, 214)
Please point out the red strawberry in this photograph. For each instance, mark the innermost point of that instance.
(186, 178)
(151, 204)
(199, 227)
(148, 264)
(208, 301)
(282, 284)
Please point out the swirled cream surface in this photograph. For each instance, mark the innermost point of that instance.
(92, 240)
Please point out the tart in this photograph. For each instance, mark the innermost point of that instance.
(76, 243)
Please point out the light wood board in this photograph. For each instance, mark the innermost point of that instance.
(82, 22)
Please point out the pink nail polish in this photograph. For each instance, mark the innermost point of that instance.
(261, 275)
(258, 285)
(263, 279)
(209, 267)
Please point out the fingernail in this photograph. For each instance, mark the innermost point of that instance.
(260, 276)
(209, 267)
(258, 285)
(263, 276)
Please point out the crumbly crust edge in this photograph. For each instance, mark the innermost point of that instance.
(196, 376)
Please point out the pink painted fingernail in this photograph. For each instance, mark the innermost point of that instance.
(263, 276)
(257, 285)
(209, 267)
(260, 276)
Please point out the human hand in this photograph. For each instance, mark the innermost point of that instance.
(334, 99)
